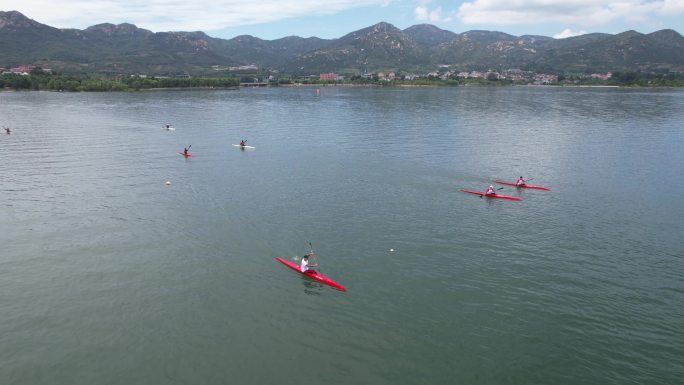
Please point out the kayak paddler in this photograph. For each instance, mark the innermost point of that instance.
(185, 151)
(490, 190)
(305, 266)
(7, 129)
(243, 143)
(521, 181)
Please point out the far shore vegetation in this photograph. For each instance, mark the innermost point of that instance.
(43, 81)
(46, 81)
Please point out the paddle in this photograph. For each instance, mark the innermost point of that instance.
(318, 264)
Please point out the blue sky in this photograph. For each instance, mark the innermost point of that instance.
(271, 19)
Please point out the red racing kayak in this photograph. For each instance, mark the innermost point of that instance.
(523, 186)
(313, 275)
(482, 194)
(185, 155)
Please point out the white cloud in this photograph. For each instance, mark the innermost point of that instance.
(422, 13)
(568, 33)
(673, 7)
(577, 12)
(177, 15)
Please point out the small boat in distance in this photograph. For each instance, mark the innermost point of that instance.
(523, 185)
(482, 194)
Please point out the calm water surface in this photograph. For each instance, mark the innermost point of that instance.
(107, 276)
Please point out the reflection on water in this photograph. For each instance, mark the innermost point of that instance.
(311, 287)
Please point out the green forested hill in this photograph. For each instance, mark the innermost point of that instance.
(127, 49)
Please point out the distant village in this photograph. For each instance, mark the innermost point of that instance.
(21, 70)
(514, 75)
(511, 74)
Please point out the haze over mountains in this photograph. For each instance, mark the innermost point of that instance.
(125, 48)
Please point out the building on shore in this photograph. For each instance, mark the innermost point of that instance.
(329, 77)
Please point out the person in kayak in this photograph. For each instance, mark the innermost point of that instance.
(7, 129)
(490, 190)
(521, 181)
(185, 151)
(305, 265)
(243, 143)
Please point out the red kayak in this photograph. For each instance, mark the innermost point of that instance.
(523, 186)
(312, 274)
(184, 154)
(482, 194)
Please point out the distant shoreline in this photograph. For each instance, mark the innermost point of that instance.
(352, 85)
(188, 89)
(476, 85)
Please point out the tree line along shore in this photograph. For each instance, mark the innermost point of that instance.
(43, 81)
(95, 83)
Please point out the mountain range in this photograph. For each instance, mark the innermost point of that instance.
(126, 49)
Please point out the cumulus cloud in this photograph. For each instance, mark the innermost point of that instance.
(675, 7)
(422, 13)
(179, 15)
(568, 33)
(578, 12)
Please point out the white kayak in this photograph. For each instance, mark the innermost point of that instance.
(168, 129)
(248, 147)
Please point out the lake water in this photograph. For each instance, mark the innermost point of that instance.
(108, 276)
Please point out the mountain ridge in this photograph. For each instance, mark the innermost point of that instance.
(125, 48)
